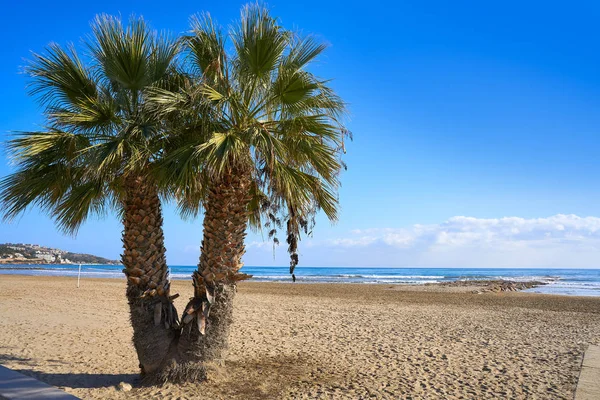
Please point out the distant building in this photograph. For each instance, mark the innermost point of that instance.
(45, 256)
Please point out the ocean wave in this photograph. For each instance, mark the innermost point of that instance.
(180, 276)
(340, 279)
(545, 279)
(61, 272)
(577, 284)
(390, 276)
(566, 290)
(34, 267)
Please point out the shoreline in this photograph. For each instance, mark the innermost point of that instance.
(548, 281)
(475, 286)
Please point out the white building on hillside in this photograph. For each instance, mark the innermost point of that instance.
(45, 256)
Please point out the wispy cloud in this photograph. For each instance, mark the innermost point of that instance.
(255, 244)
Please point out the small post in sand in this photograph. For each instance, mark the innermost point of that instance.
(78, 276)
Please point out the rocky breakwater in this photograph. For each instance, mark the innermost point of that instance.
(498, 285)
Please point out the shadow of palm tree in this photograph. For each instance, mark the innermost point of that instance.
(81, 380)
(27, 366)
(4, 358)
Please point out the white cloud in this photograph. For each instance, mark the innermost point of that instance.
(468, 231)
(562, 241)
(268, 245)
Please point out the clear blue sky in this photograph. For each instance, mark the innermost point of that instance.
(460, 108)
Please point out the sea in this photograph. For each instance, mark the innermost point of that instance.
(574, 282)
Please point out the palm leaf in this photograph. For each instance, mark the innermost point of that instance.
(59, 78)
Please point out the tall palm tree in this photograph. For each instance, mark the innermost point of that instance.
(262, 140)
(98, 153)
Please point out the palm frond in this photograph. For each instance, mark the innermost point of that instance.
(101, 125)
(303, 51)
(59, 78)
(122, 53)
(45, 147)
(40, 185)
(259, 41)
(83, 200)
(206, 47)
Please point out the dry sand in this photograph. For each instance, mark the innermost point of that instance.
(311, 341)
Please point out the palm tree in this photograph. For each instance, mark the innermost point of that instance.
(97, 153)
(260, 141)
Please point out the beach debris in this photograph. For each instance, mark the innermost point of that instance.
(124, 387)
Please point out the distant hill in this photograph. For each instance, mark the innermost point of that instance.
(22, 253)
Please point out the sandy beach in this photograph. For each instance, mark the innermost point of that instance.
(311, 341)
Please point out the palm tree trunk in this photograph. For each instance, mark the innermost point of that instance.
(208, 315)
(153, 316)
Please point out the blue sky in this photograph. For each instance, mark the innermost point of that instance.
(459, 109)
